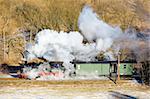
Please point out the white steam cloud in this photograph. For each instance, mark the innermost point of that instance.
(94, 28)
(61, 46)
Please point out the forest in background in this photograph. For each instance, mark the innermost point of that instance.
(20, 20)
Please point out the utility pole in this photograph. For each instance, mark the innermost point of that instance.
(118, 69)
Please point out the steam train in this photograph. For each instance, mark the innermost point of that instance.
(99, 68)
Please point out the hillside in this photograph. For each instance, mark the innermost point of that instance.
(27, 17)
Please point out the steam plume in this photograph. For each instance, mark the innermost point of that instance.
(61, 46)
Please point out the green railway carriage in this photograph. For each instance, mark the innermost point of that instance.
(92, 69)
(103, 68)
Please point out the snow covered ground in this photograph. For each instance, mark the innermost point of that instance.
(45, 93)
(71, 89)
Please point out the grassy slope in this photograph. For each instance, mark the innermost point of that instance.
(33, 15)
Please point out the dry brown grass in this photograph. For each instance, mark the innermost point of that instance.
(84, 85)
(34, 15)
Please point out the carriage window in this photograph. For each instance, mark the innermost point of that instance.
(124, 66)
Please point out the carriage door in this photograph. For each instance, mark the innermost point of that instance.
(113, 69)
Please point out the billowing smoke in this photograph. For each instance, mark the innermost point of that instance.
(136, 43)
(66, 47)
(93, 28)
(110, 39)
(60, 46)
